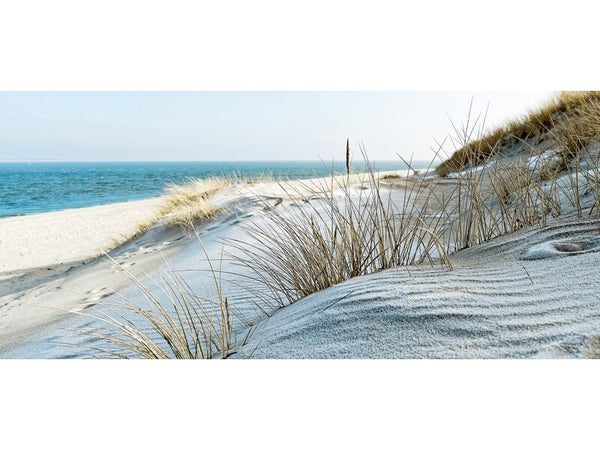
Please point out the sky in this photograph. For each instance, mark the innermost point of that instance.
(242, 125)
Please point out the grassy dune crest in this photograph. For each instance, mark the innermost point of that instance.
(570, 120)
(341, 234)
(189, 203)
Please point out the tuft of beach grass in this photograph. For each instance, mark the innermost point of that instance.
(190, 203)
(337, 236)
(174, 323)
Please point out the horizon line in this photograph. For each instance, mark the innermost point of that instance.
(191, 161)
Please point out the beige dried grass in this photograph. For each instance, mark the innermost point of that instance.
(328, 240)
(175, 322)
(190, 203)
(575, 113)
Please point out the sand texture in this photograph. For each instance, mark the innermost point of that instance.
(54, 263)
(498, 302)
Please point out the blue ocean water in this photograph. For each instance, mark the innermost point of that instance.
(27, 188)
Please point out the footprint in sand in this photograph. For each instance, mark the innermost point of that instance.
(239, 219)
(563, 247)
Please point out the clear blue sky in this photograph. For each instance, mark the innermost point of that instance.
(234, 125)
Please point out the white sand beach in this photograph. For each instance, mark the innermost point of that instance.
(51, 263)
(529, 294)
(47, 239)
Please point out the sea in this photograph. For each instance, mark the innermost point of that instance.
(36, 187)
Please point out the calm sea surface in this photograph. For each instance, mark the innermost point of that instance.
(27, 188)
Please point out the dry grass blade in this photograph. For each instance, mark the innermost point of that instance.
(175, 322)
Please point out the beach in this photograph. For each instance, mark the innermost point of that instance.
(42, 256)
(499, 300)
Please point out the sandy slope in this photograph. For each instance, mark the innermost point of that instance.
(50, 263)
(40, 240)
(39, 247)
(529, 294)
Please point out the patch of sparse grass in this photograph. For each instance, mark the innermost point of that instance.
(175, 322)
(391, 176)
(145, 225)
(188, 204)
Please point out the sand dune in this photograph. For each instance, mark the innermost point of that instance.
(530, 294)
(498, 302)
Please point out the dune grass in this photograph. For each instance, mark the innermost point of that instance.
(187, 204)
(390, 176)
(570, 118)
(174, 323)
(501, 193)
(192, 202)
(342, 233)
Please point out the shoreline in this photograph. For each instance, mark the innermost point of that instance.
(73, 190)
(36, 213)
